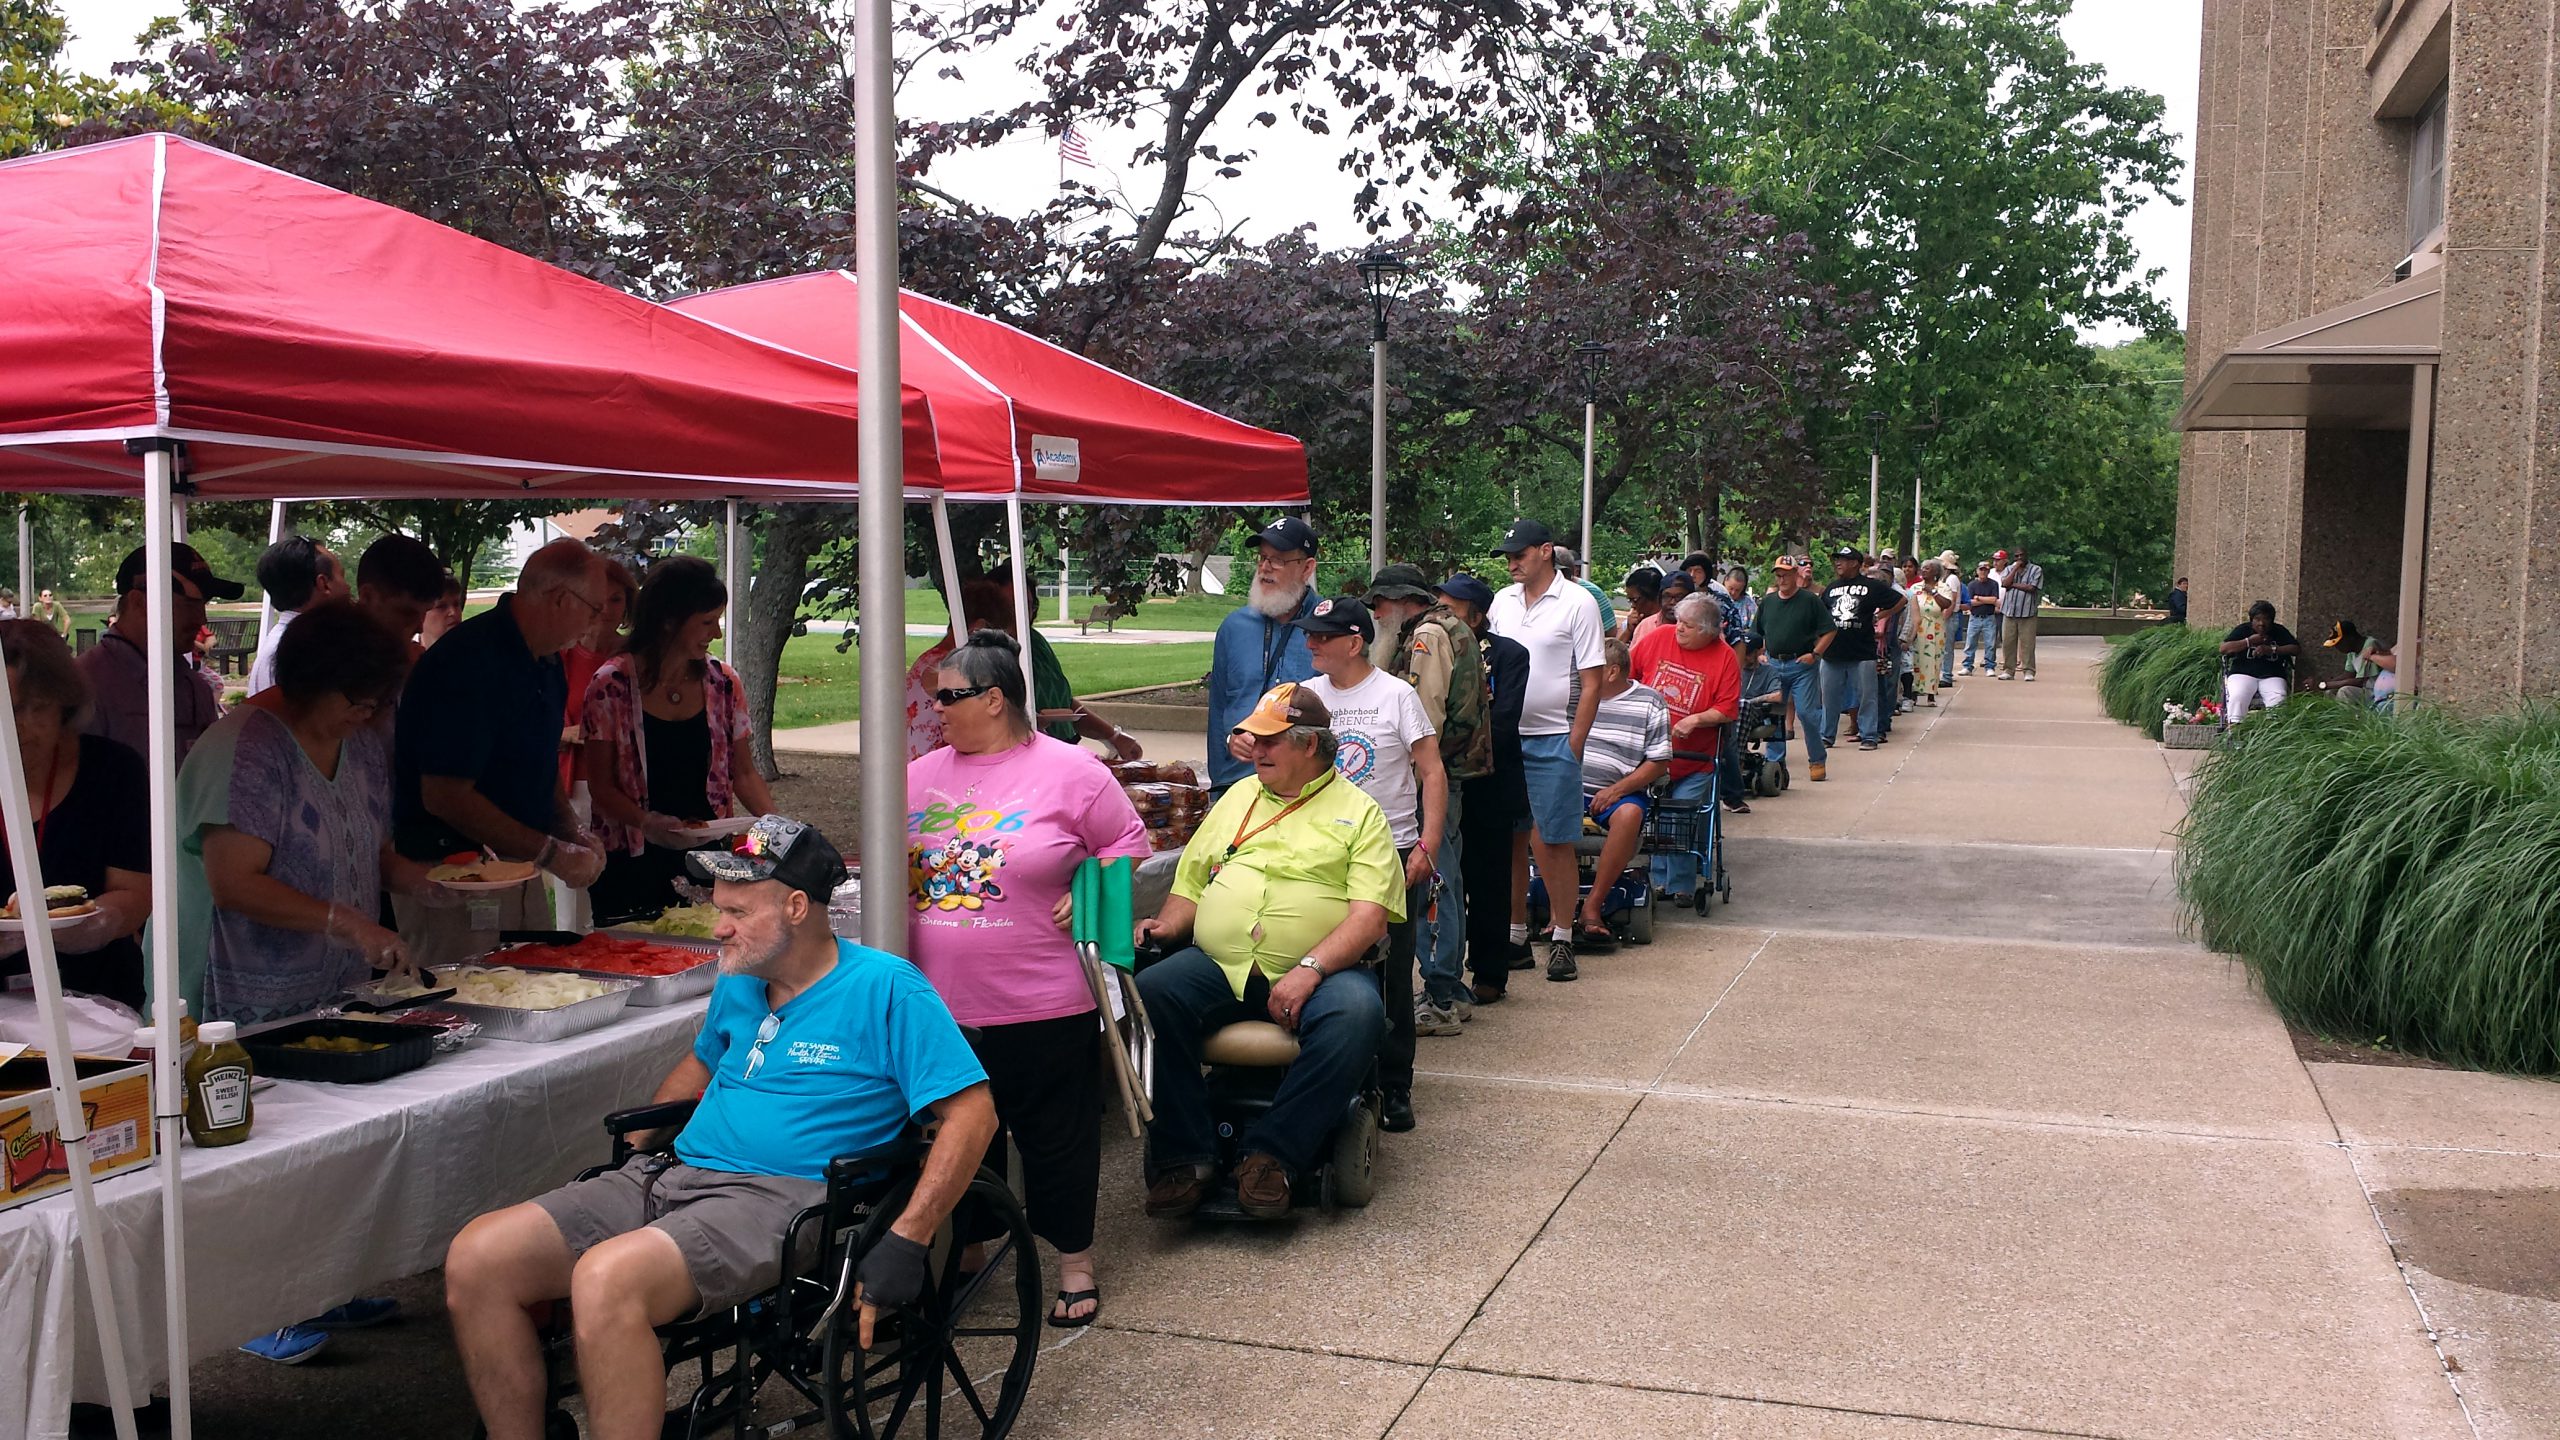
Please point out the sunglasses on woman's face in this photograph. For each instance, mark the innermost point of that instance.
(955, 696)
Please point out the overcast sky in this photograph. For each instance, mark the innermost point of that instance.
(2149, 44)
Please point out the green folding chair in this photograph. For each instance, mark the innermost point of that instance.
(1104, 930)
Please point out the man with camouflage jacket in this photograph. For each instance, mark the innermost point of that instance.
(1421, 642)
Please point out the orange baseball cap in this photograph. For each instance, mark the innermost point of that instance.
(1285, 705)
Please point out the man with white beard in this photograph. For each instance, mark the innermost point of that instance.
(1257, 646)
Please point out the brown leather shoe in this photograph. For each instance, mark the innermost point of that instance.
(1262, 1187)
(1176, 1193)
(1486, 994)
(1817, 772)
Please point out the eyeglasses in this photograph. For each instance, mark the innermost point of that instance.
(594, 607)
(765, 1032)
(955, 696)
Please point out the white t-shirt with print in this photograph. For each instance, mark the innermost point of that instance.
(1378, 722)
(1561, 632)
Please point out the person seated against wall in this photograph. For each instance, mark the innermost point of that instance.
(813, 1048)
(87, 801)
(1288, 885)
(2373, 670)
(668, 742)
(284, 830)
(2258, 657)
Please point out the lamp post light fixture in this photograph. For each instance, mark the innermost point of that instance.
(1382, 273)
(1875, 473)
(1590, 358)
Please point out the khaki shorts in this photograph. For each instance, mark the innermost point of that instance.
(727, 1226)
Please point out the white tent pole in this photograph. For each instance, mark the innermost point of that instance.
(178, 520)
(950, 573)
(70, 1118)
(27, 562)
(733, 573)
(1066, 568)
(881, 514)
(159, 519)
(1021, 579)
(266, 602)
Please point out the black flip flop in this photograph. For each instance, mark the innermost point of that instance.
(1071, 1299)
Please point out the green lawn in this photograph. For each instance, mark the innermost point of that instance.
(820, 686)
(1194, 612)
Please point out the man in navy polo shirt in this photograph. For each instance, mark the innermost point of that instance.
(813, 1048)
(476, 756)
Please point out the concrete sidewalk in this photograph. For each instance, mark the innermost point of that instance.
(1939, 1129)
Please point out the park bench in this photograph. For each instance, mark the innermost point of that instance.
(233, 645)
(1104, 614)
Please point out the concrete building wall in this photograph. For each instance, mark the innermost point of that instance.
(2301, 199)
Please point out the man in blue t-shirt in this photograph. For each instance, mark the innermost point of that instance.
(813, 1048)
(1257, 646)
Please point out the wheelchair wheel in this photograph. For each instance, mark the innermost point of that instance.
(958, 1362)
(1784, 779)
(1352, 1177)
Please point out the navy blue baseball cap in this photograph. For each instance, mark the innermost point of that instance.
(1340, 615)
(1463, 586)
(1288, 535)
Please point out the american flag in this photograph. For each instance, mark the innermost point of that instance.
(1071, 147)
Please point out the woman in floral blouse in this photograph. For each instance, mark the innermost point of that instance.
(666, 740)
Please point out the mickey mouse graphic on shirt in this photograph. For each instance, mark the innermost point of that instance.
(958, 871)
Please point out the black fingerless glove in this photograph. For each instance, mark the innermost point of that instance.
(893, 1272)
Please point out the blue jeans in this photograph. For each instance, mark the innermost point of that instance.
(1440, 941)
(1678, 874)
(1847, 683)
(1339, 1032)
(1983, 640)
(1801, 680)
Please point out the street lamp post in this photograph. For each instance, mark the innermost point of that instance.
(1590, 358)
(1875, 473)
(1381, 271)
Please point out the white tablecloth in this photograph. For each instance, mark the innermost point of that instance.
(339, 1187)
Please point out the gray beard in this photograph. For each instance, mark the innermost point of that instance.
(1273, 604)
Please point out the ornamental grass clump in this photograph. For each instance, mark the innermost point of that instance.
(2164, 665)
(2389, 878)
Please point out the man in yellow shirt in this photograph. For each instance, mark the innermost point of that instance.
(1288, 884)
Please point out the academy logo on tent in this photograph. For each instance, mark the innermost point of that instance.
(1056, 457)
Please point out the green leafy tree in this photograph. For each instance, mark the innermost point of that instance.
(43, 105)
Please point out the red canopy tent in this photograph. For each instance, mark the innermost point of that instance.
(1015, 411)
(305, 343)
(1023, 416)
(301, 343)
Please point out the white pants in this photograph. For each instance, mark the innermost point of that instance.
(2238, 689)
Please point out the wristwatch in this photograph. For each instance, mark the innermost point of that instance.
(1309, 962)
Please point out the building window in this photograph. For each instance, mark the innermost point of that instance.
(2426, 172)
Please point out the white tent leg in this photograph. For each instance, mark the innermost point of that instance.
(276, 524)
(27, 562)
(1021, 580)
(70, 1119)
(733, 573)
(159, 518)
(950, 572)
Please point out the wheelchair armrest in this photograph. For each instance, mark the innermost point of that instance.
(844, 1171)
(665, 1116)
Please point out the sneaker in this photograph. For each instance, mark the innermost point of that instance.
(2029, 677)
(1967, 670)
(1560, 964)
(1521, 959)
(1262, 1187)
(1175, 1193)
(289, 1346)
(1737, 805)
(362, 1313)
(1814, 771)
(1430, 1019)
(1463, 1008)
(1395, 1113)
(2007, 675)
(1869, 744)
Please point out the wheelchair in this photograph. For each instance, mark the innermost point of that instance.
(1245, 1061)
(927, 1374)
(1762, 723)
(1692, 828)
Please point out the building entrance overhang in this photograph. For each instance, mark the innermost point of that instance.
(2350, 368)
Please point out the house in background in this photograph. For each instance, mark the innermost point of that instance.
(2374, 427)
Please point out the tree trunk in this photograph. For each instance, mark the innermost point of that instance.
(773, 608)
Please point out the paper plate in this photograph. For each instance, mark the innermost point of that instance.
(438, 874)
(59, 922)
(710, 830)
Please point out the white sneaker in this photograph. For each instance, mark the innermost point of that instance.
(2029, 676)
(2005, 675)
(1430, 1019)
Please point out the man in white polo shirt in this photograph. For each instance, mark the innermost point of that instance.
(1556, 622)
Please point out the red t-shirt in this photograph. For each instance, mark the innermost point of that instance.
(1706, 678)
